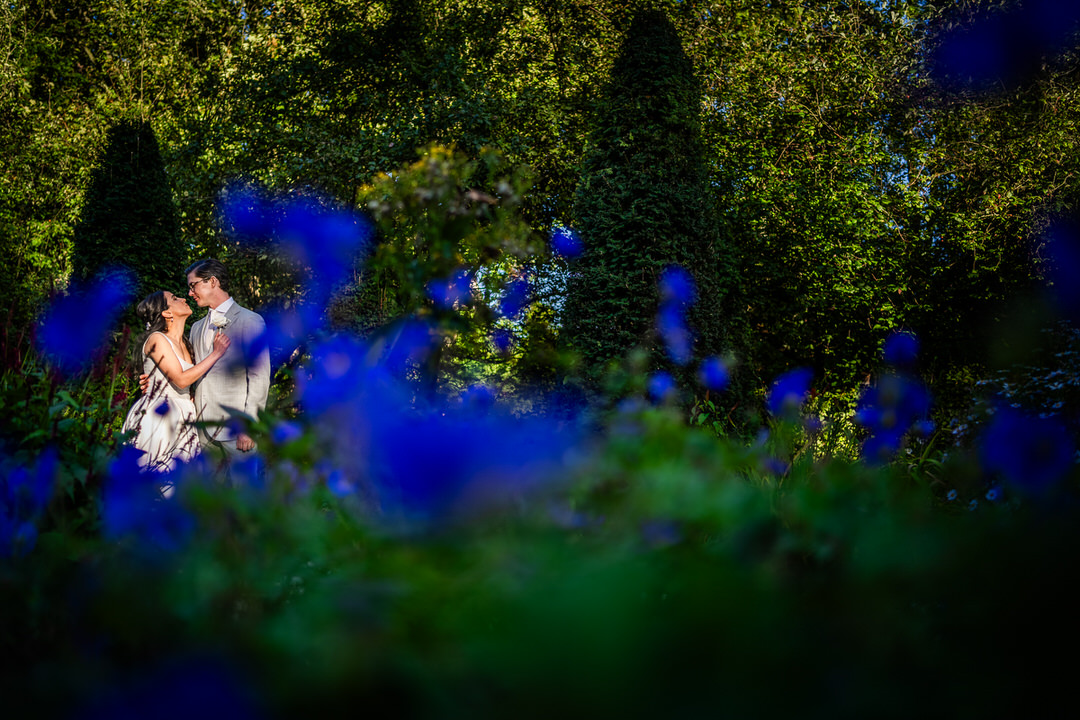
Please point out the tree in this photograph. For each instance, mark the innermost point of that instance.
(644, 203)
(128, 219)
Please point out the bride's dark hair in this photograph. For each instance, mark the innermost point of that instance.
(149, 312)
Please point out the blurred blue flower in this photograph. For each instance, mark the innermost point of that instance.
(565, 242)
(327, 240)
(713, 374)
(1006, 46)
(503, 340)
(789, 392)
(993, 494)
(515, 298)
(562, 515)
(339, 484)
(324, 241)
(880, 447)
(771, 465)
(337, 375)
(661, 386)
(248, 472)
(286, 331)
(1031, 454)
(24, 494)
(429, 467)
(132, 504)
(207, 683)
(445, 293)
(890, 409)
(901, 350)
(923, 428)
(661, 533)
(286, 432)
(676, 336)
(248, 216)
(478, 398)
(677, 286)
(78, 323)
(677, 292)
(952, 495)
(1063, 251)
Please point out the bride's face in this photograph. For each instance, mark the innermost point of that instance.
(177, 304)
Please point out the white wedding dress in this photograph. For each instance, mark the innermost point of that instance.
(162, 418)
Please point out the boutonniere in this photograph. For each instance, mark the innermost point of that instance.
(219, 321)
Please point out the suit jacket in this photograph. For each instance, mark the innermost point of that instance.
(232, 385)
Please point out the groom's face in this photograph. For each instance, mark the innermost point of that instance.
(197, 288)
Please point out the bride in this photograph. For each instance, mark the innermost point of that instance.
(162, 418)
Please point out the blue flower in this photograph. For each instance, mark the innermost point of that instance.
(286, 432)
(78, 323)
(661, 533)
(24, 494)
(209, 681)
(789, 392)
(515, 298)
(565, 242)
(952, 495)
(896, 405)
(339, 484)
(247, 215)
(325, 239)
(901, 350)
(132, 505)
(341, 373)
(445, 293)
(286, 331)
(1030, 453)
(677, 286)
(502, 339)
(430, 467)
(677, 291)
(661, 386)
(771, 465)
(713, 374)
(478, 398)
(993, 494)
(417, 465)
(676, 336)
(325, 242)
(1006, 46)
(1063, 251)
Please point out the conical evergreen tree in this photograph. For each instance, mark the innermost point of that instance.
(128, 217)
(644, 202)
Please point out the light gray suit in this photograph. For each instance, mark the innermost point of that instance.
(231, 386)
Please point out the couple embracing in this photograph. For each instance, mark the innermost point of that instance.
(199, 377)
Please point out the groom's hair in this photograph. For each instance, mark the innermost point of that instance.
(209, 267)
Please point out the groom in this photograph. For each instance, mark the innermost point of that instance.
(232, 384)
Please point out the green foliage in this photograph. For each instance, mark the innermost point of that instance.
(442, 217)
(663, 566)
(643, 203)
(80, 420)
(128, 219)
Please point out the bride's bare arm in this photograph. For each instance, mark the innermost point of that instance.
(158, 348)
